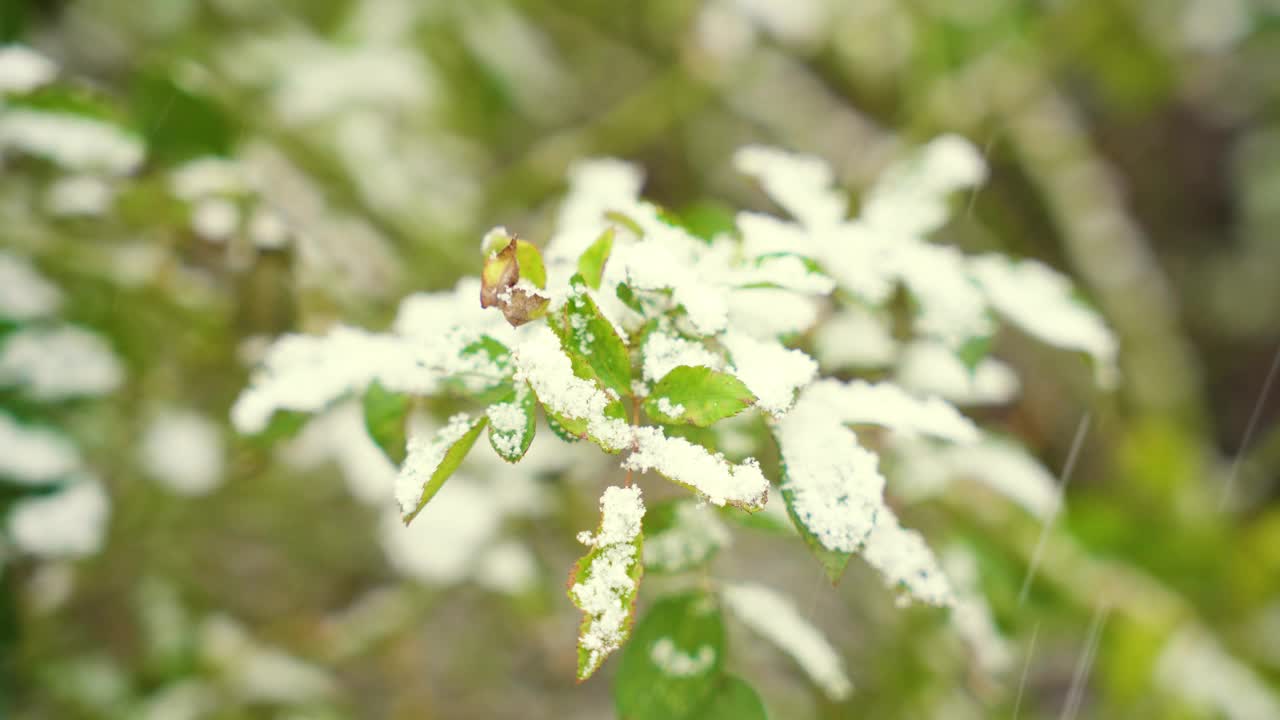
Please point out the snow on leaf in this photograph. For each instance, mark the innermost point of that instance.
(604, 583)
(430, 462)
(1039, 301)
(55, 363)
(184, 450)
(801, 184)
(697, 395)
(888, 405)
(971, 615)
(306, 373)
(951, 305)
(854, 337)
(909, 199)
(679, 536)
(776, 619)
(73, 142)
(720, 481)
(769, 313)
(23, 69)
(931, 368)
(69, 523)
(771, 371)
(785, 271)
(575, 403)
(905, 561)
(669, 258)
(512, 423)
(924, 469)
(1195, 666)
(832, 485)
(664, 351)
(31, 455)
(24, 293)
(673, 661)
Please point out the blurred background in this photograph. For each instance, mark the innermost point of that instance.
(236, 169)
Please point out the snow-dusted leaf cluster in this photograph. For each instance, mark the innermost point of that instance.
(61, 508)
(663, 347)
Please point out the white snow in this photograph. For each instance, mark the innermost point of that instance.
(215, 219)
(888, 405)
(23, 69)
(308, 372)
(801, 184)
(443, 544)
(714, 477)
(183, 450)
(53, 363)
(835, 484)
(507, 567)
(776, 619)
(258, 672)
(854, 337)
(207, 176)
(905, 561)
(75, 143)
(971, 616)
(339, 434)
(31, 454)
(79, 196)
(767, 313)
(1039, 301)
(837, 490)
(769, 370)
(24, 293)
(602, 594)
(69, 523)
(1194, 666)
(932, 368)
(509, 422)
(673, 661)
(541, 361)
(695, 533)
(925, 469)
(664, 351)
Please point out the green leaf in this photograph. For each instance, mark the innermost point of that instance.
(529, 259)
(674, 661)
(385, 413)
(733, 699)
(973, 351)
(591, 264)
(698, 396)
(832, 561)
(457, 449)
(590, 341)
(512, 423)
(629, 297)
(708, 219)
(564, 428)
(762, 521)
(179, 124)
(283, 425)
(681, 536)
(624, 220)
